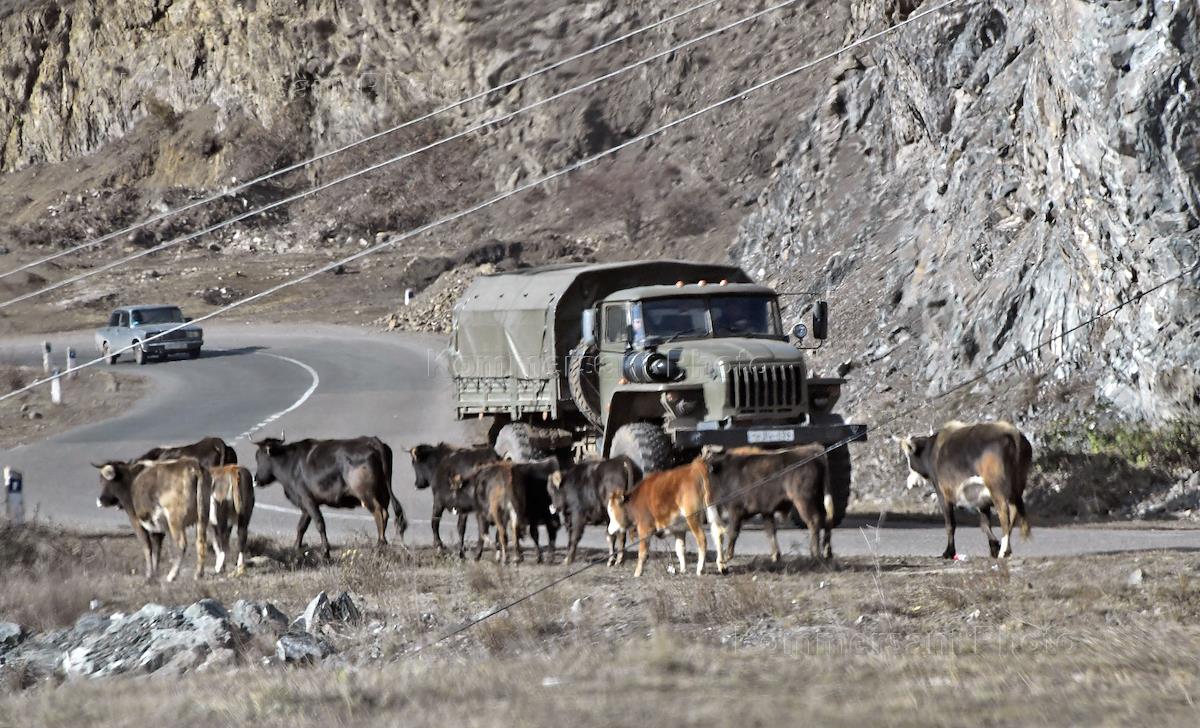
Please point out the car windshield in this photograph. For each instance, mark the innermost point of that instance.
(164, 315)
(696, 317)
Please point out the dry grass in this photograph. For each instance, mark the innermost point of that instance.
(94, 395)
(899, 640)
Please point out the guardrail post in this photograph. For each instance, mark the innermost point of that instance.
(56, 387)
(14, 504)
(45, 357)
(71, 364)
(408, 296)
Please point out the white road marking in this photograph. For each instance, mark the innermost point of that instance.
(316, 382)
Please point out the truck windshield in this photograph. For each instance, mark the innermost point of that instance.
(165, 315)
(697, 317)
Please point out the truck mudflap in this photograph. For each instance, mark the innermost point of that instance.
(771, 435)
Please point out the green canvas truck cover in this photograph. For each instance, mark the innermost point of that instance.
(513, 331)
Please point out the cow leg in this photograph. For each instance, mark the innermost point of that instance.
(985, 524)
(733, 530)
(301, 527)
(681, 553)
(772, 540)
(948, 514)
(533, 536)
(243, 536)
(320, 521)
(696, 525)
(221, 531)
(1006, 524)
(643, 550)
(155, 545)
(575, 533)
(435, 521)
(179, 536)
(718, 535)
(462, 535)
(624, 537)
(379, 512)
(146, 539)
(481, 527)
(552, 533)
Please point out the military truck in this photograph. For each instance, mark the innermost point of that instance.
(652, 360)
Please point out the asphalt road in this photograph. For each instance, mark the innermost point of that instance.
(326, 381)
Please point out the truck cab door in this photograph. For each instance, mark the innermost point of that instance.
(614, 342)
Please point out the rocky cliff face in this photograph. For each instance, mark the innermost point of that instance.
(971, 187)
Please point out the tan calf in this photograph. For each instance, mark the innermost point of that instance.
(159, 498)
(232, 499)
(668, 500)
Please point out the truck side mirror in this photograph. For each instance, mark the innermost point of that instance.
(587, 327)
(820, 321)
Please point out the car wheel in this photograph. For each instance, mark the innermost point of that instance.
(194, 353)
(645, 444)
(109, 359)
(139, 354)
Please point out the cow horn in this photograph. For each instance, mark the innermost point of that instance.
(906, 444)
(108, 472)
(282, 434)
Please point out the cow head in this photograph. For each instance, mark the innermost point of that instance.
(918, 452)
(264, 470)
(425, 460)
(618, 518)
(558, 500)
(114, 482)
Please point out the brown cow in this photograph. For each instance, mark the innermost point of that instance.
(664, 501)
(512, 495)
(980, 466)
(160, 496)
(232, 498)
(749, 481)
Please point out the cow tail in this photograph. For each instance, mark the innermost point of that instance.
(822, 463)
(1024, 459)
(631, 475)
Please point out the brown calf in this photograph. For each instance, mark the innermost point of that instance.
(512, 495)
(232, 498)
(980, 466)
(158, 497)
(664, 501)
(749, 481)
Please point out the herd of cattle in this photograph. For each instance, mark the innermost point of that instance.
(169, 490)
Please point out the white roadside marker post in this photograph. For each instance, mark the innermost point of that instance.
(56, 388)
(14, 504)
(71, 364)
(45, 357)
(408, 296)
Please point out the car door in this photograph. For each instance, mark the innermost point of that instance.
(121, 334)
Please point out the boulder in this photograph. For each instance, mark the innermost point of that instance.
(259, 618)
(302, 648)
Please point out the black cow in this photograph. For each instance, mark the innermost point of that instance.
(335, 473)
(513, 495)
(434, 466)
(580, 496)
(748, 481)
(211, 452)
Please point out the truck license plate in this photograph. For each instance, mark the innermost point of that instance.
(761, 436)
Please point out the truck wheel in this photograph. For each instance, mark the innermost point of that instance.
(194, 353)
(839, 481)
(585, 390)
(139, 353)
(515, 442)
(109, 359)
(645, 444)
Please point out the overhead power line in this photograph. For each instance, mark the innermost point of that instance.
(365, 140)
(465, 212)
(393, 160)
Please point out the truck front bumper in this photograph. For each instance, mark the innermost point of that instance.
(771, 435)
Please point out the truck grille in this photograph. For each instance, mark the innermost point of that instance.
(765, 387)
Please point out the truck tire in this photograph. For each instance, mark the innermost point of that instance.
(515, 442)
(585, 390)
(839, 482)
(645, 444)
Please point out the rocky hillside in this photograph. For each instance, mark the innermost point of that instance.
(992, 180)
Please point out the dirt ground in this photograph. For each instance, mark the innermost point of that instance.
(94, 395)
(1101, 640)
